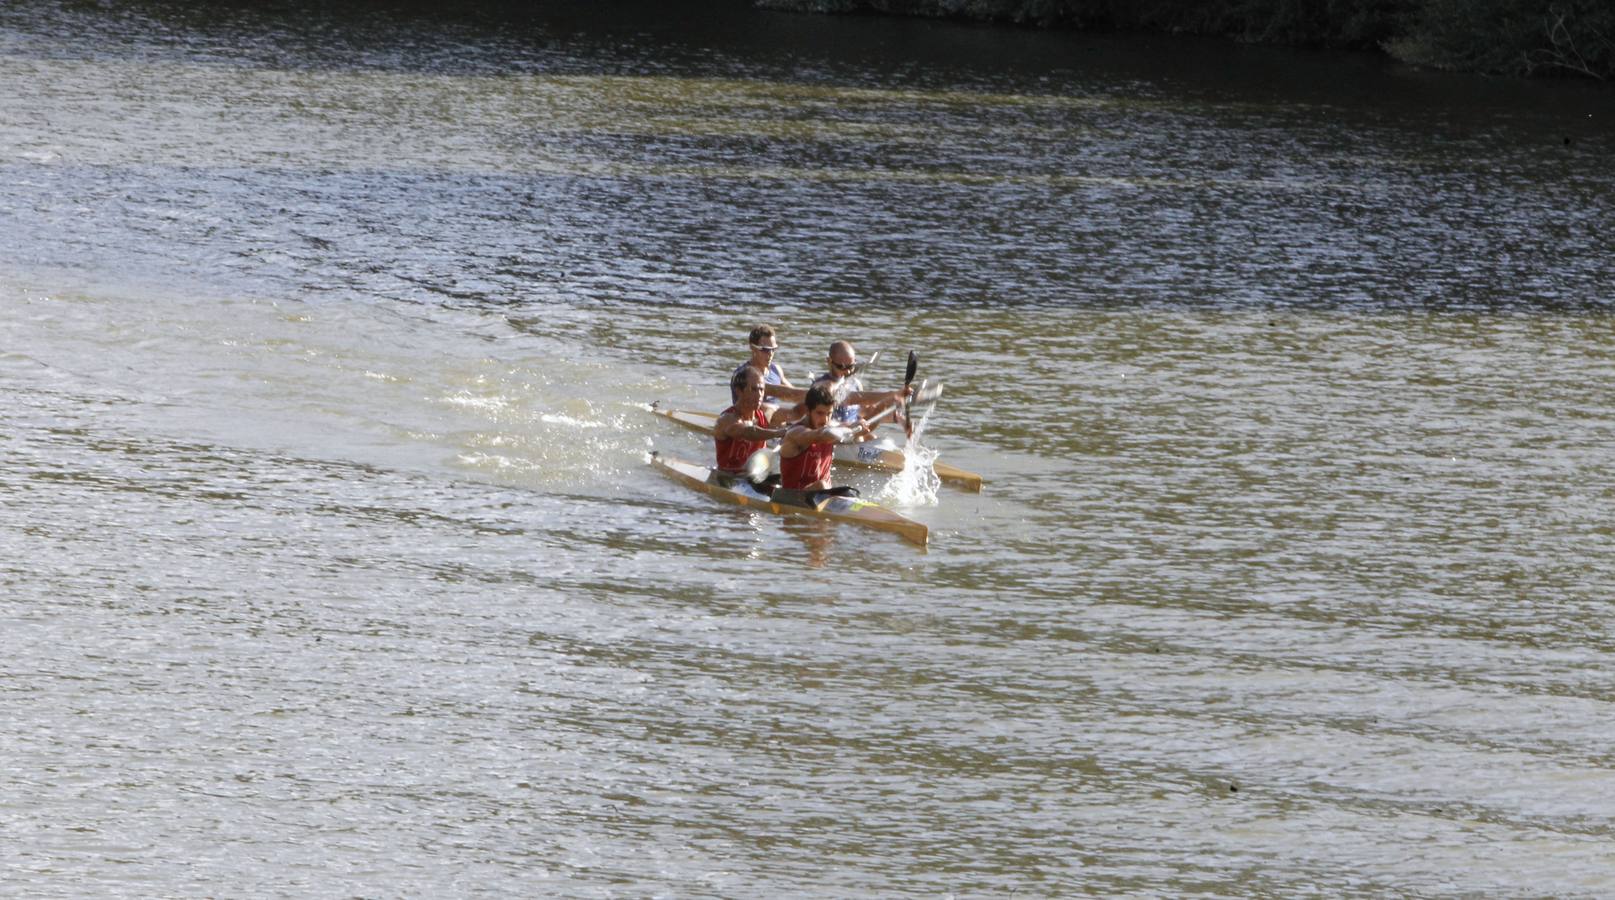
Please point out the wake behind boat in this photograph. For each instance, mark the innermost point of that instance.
(881, 453)
(819, 504)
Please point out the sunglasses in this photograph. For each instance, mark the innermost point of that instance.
(843, 367)
(764, 349)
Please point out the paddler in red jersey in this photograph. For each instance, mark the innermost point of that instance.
(747, 426)
(809, 445)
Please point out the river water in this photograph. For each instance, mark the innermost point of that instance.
(333, 565)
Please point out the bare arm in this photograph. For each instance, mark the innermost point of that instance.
(877, 398)
(785, 392)
(783, 416)
(798, 439)
(732, 427)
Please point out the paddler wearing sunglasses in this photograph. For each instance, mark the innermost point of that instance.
(852, 402)
(764, 344)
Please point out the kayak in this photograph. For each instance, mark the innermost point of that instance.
(820, 504)
(881, 453)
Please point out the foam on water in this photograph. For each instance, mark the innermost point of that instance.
(368, 384)
(918, 483)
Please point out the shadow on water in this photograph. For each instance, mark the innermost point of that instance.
(732, 37)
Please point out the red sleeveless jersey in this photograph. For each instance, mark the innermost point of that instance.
(813, 465)
(733, 452)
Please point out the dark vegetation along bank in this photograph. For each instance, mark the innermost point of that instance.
(1512, 37)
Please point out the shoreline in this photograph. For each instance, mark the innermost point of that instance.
(1573, 41)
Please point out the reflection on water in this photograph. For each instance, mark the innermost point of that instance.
(817, 537)
(332, 559)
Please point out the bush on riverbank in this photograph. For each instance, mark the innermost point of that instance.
(1515, 37)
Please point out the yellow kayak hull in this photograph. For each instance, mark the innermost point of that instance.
(839, 509)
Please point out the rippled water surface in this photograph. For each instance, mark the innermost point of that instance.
(332, 563)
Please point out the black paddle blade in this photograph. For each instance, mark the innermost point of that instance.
(913, 366)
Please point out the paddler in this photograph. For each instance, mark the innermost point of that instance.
(853, 403)
(746, 426)
(764, 343)
(808, 447)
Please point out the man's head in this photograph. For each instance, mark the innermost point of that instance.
(843, 361)
(819, 405)
(746, 387)
(763, 345)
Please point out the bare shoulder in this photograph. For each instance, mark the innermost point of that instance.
(795, 437)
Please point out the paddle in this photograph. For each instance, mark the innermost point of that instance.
(925, 394)
(758, 465)
(844, 433)
(908, 379)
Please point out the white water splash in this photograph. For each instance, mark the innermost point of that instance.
(496, 462)
(571, 421)
(918, 483)
(492, 405)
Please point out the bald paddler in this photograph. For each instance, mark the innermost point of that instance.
(853, 403)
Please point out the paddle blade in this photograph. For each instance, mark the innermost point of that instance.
(758, 465)
(908, 378)
(927, 393)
